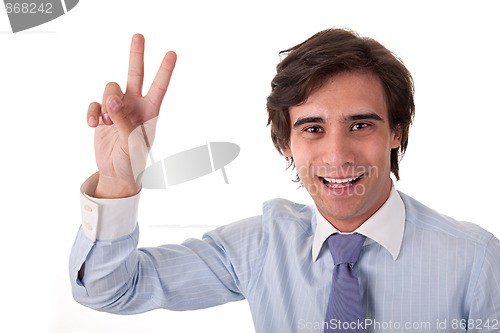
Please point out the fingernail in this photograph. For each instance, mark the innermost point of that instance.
(91, 121)
(106, 119)
(115, 104)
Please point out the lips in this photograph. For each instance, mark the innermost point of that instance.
(340, 182)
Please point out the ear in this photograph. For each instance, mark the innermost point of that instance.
(397, 135)
(286, 151)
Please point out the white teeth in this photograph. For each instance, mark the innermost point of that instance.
(339, 181)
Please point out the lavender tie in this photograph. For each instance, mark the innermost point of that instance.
(344, 310)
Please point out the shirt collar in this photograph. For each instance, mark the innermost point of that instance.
(385, 227)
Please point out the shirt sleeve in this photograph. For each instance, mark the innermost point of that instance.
(484, 314)
(106, 219)
(199, 273)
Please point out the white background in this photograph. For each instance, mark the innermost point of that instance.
(227, 52)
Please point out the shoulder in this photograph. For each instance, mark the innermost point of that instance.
(275, 212)
(284, 213)
(423, 217)
(280, 219)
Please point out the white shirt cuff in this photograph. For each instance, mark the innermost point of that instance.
(106, 219)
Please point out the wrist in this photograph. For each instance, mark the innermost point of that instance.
(112, 188)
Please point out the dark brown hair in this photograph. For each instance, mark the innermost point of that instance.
(308, 65)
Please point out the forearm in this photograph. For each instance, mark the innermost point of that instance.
(105, 224)
(109, 273)
(109, 269)
(119, 278)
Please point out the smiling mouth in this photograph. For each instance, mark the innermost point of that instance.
(340, 182)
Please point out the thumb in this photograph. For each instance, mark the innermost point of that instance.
(117, 113)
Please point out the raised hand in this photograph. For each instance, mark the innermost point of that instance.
(125, 124)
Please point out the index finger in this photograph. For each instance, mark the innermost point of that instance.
(135, 76)
(162, 79)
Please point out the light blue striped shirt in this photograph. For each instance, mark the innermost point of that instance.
(439, 275)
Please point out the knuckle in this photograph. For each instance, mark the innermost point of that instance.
(112, 86)
(94, 107)
(166, 67)
(160, 87)
(135, 72)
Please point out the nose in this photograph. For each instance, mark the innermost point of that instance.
(338, 149)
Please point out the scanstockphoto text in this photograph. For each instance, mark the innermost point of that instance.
(444, 325)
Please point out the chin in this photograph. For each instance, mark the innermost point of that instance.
(342, 210)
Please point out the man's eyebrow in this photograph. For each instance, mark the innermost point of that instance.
(364, 116)
(305, 120)
(354, 117)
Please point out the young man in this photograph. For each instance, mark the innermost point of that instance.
(340, 111)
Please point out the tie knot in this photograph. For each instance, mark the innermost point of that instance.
(345, 248)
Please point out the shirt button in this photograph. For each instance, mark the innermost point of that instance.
(87, 208)
(88, 226)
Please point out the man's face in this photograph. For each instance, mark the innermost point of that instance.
(341, 145)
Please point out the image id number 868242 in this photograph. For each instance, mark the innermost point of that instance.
(477, 324)
(28, 8)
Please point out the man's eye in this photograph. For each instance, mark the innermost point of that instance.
(357, 127)
(313, 129)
